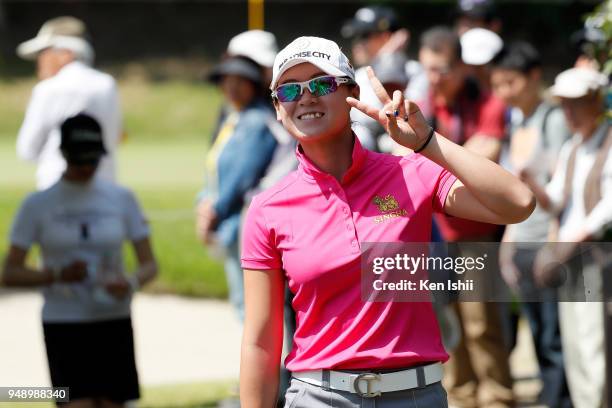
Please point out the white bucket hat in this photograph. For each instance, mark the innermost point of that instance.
(258, 45)
(578, 82)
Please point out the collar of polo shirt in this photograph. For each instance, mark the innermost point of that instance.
(313, 173)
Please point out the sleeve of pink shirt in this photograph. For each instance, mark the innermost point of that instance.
(258, 249)
(437, 180)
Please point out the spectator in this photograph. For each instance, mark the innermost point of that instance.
(260, 46)
(476, 13)
(241, 152)
(68, 85)
(375, 32)
(538, 130)
(478, 372)
(80, 224)
(580, 192)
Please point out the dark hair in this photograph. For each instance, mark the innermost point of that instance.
(484, 10)
(518, 56)
(81, 140)
(81, 122)
(440, 38)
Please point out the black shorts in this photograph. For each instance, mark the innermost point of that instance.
(95, 360)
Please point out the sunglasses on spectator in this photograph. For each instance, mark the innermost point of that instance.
(320, 86)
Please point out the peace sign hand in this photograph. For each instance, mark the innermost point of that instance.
(401, 118)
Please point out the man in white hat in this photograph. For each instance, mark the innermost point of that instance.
(478, 48)
(68, 86)
(581, 193)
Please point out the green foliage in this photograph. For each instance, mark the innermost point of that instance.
(601, 19)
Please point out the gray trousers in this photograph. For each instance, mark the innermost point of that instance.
(304, 395)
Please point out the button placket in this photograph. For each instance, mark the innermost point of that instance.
(348, 215)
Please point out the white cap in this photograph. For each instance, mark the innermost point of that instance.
(578, 82)
(320, 52)
(258, 45)
(479, 46)
(62, 32)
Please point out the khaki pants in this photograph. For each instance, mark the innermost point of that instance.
(583, 350)
(478, 372)
(582, 335)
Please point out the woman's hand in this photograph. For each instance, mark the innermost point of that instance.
(119, 287)
(549, 269)
(206, 219)
(484, 192)
(75, 272)
(402, 119)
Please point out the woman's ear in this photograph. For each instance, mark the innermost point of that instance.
(276, 108)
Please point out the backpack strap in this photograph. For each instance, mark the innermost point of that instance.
(545, 141)
(592, 188)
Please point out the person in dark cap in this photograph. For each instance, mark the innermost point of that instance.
(369, 29)
(81, 224)
(242, 149)
(375, 34)
(476, 14)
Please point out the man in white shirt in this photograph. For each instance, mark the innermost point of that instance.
(68, 86)
(581, 192)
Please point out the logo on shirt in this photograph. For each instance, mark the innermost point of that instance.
(389, 206)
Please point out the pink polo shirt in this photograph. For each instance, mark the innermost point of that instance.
(311, 226)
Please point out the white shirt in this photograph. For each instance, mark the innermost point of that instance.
(87, 222)
(76, 88)
(574, 219)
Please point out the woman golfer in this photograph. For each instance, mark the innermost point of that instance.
(81, 224)
(309, 227)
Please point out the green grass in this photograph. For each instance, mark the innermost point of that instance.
(166, 111)
(186, 395)
(192, 395)
(168, 126)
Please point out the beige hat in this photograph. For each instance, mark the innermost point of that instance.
(60, 32)
(578, 82)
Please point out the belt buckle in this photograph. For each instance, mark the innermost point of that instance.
(368, 378)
